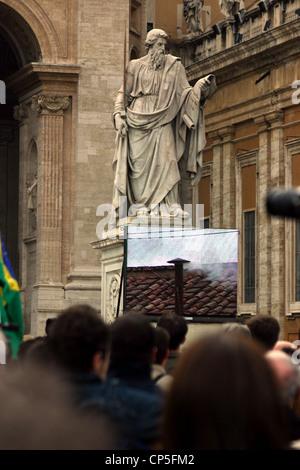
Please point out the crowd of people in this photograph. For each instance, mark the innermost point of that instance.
(135, 385)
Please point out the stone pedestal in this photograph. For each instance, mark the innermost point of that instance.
(112, 245)
(112, 256)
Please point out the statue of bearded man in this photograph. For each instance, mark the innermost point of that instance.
(159, 123)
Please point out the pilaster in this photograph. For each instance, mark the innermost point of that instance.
(50, 110)
(227, 134)
(277, 224)
(21, 115)
(217, 181)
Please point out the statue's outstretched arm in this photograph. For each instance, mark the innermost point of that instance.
(205, 88)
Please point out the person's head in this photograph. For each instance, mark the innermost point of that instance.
(265, 330)
(49, 323)
(285, 346)
(236, 328)
(79, 340)
(34, 351)
(286, 373)
(161, 341)
(155, 43)
(177, 328)
(225, 397)
(132, 338)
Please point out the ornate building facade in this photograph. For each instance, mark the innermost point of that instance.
(62, 63)
(253, 138)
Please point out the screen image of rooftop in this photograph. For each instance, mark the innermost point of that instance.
(209, 262)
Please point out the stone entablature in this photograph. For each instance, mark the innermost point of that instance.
(256, 25)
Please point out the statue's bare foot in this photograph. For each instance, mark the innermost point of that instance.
(142, 213)
(178, 212)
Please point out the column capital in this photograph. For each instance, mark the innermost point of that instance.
(275, 118)
(50, 104)
(227, 132)
(261, 122)
(215, 137)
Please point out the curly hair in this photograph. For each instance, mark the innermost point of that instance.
(153, 35)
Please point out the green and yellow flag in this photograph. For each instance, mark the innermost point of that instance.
(10, 302)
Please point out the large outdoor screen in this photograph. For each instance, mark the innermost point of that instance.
(207, 258)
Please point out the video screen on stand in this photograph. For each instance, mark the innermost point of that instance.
(208, 259)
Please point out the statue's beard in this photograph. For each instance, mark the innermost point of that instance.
(156, 58)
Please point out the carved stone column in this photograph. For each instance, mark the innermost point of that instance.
(263, 236)
(217, 181)
(277, 224)
(227, 134)
(50, 111)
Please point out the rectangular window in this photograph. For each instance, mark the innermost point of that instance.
(249, 257)
(297, 260)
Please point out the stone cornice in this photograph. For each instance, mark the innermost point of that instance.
(251, 108)
(266, 49)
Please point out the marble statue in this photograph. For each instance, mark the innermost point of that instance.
(159, 122)
(192, 12)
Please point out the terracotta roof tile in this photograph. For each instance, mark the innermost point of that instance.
(152, 289)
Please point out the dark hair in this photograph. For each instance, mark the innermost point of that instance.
(35, 352)
(49, 324)
(161, 341)
(76, 335)
(176, 326)
(224, 393)
(132, 338)
(265, 329)
(236, 328)
(26, 346)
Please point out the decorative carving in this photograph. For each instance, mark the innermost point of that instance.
(112, 298)
(20, 112)
(50, 103)
(31, 189)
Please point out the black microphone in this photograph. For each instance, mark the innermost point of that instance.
(284, 202)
